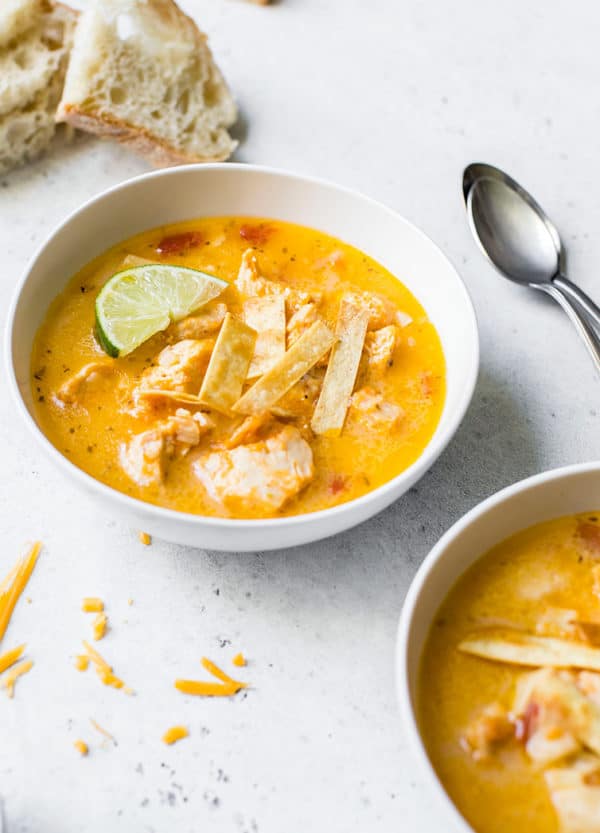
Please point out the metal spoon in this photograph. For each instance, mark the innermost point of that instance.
(518, 238)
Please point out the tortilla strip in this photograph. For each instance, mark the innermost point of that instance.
(228, 365)
(519, 648)
(330, 412)
(173, 395)
(302, 355)
(131, 261)
(581, 714)
(266, 315)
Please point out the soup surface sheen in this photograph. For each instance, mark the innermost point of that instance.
(92, 428)
(540, 582)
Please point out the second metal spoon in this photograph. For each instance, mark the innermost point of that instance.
(522, 243)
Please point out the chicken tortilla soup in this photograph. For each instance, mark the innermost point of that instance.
(239, 368)
(509, 692)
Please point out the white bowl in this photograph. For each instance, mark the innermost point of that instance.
(183, 193)
(549, 495)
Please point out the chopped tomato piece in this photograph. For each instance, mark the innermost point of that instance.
(589, 533)
(256, 235)
(180, 243)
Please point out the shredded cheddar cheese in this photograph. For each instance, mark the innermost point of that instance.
(104, 670)
(225, 688)
(216, 671)
(203, 689)
(145, 539)
(91, 604)
(102, 731)
(174, 734)
(82, 747)
(82, 662)
(14, 584)
(9, 679)
(99, 625)
(10, 657)
(239, 660)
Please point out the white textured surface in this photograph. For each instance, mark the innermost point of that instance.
(394, 99)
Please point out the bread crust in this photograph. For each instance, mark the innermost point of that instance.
(157, 151)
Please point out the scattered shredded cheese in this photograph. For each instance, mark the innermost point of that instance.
(99, 625)
(202, 689)
(92, 604)
(216, 671)
(82, 747)
(103, 731)
(82, 662)
(174, 734)
(9, 679)
(104, 670)
(239, 660)
(10, 657)
(145, 539)
(225, 688)
(14, 584)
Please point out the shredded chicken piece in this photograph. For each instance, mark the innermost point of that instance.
(381, 311)
(301, 399)
(252, 284)
(146, 456)
(73, 388)
(263, 475)
(249, 429)
(491, 727)
(300, 321)
(179, 367)
(370, 411)
(575, 793)
(199, 326)
(379, 348)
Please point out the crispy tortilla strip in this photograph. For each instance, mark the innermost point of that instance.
(332, 405)
(266, 315)
(131, 261)
(228, 365)
(298, 360)
(172, 395)
(519, 648)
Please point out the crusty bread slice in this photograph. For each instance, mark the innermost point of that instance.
(33, 63)
(141, 72)
(16, 17)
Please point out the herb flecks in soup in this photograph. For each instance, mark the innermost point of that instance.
(313, 377)
(509, 691)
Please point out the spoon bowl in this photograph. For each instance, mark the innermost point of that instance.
(512, 229)
(522, 243)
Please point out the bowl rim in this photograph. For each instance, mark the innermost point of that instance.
(416, 470)
(405, 704)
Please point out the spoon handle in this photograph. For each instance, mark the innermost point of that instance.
(587, 334)
(578, 295)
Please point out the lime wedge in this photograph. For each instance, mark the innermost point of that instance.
(139, 302)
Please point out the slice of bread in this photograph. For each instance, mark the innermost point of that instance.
(141, 72)
(33, 62)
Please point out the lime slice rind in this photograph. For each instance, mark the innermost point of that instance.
(137, 303)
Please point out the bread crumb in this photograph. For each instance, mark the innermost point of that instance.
(92, 604)
(145, 539)
(239, 660)
(81, 747)
(174, 734)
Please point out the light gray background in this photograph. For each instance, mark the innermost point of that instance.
(392, 98)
